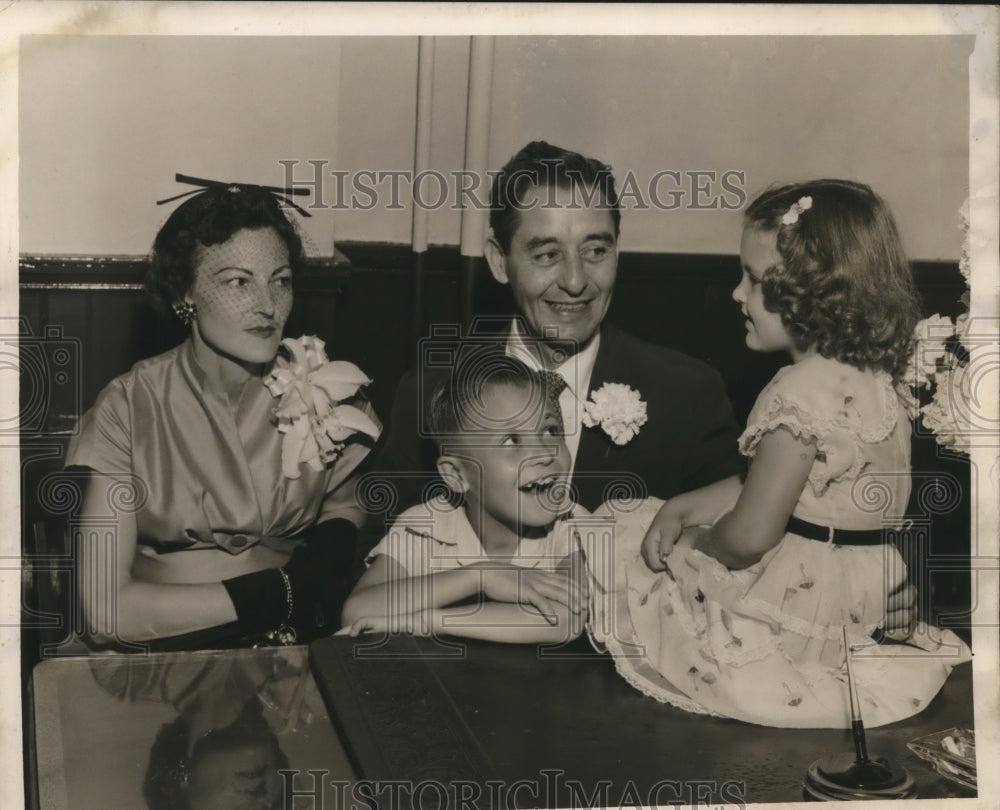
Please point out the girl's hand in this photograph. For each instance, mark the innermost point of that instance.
(418, 623)
(660, 538)
(529, 586)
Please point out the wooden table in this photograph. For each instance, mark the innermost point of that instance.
(505, 726)
(426, 723)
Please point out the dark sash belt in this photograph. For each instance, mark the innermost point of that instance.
(842, 537)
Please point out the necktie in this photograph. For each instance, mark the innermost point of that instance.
(555, 384)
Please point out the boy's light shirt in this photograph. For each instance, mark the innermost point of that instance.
(437, 536)
(577, 371)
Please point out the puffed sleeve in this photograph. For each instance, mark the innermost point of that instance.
(839, 408)
(408, 543)
(103, 441)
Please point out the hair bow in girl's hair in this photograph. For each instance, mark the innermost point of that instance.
(277, 192)
(792, 214)
(310, 412)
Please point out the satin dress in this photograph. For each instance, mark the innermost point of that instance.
(200, 467)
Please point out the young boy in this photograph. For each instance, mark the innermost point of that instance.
(503, 537)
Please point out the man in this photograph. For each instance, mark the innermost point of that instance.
(555, 223)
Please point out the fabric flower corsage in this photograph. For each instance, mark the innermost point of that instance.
(310, 411)
(792, 214)
(618, 409)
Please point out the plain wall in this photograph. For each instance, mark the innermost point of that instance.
(888, 111)
(106, 121)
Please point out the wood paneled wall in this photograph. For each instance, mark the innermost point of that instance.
(95, 309)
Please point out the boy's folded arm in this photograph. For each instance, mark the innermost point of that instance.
(508, 622)
(387, 587)
(520, 622)
(522, 604)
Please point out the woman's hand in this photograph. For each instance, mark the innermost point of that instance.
(660, 537)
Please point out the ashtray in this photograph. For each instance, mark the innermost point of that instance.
(951, 752)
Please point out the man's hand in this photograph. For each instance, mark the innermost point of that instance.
(660, 538)
(900, 613)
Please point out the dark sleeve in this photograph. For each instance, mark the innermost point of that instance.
(404, 466)
(714, 434)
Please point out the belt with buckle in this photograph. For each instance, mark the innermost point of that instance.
(842, 537)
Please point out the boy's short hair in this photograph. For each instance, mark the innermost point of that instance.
(456, 405)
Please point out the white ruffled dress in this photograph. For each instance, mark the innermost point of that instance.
(765, 644)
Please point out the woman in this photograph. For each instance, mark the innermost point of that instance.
(218, 536)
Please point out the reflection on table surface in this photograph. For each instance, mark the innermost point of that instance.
(506, 726)
(179, 730)
(471, 725)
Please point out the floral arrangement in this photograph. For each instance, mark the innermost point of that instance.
(618, 409)
(310, 410)
(940, 366)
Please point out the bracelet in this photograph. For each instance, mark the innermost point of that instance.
(261, 599)
(288, 596)
(285, 633)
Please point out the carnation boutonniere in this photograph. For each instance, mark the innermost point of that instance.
(311, 390)
(618, 409)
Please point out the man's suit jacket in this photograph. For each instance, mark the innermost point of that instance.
(689, 439)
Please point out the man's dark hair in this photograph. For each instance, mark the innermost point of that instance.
(541, 165)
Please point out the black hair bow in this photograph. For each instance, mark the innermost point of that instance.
(276, 191)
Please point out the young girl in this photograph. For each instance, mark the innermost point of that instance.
(745, 619)
(504, 536)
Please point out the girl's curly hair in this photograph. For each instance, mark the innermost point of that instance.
(211, 218)
(844, 286)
